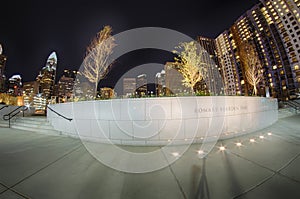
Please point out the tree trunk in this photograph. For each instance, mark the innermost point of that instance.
(95, 91)
(255, 90)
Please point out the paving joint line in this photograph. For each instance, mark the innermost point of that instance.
(44, 167)
(176, 179)
(274, 172)
(9, 189)
(286, 139)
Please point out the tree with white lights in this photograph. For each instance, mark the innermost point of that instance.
(252, 65)
(95, 64)
(192, 63)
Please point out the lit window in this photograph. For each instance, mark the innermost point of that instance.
(274, 67)
(297, 67)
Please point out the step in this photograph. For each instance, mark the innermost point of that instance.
(26, 121)
(285, 112)
(33, 119)
(46, 126)
(42, 131)
(3, 123)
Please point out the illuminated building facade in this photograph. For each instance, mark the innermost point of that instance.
(46, 78)
(30, 90)
(228, 64)
(272, 27)
(160, 83)
(284, 15)
(173, 80)
(15, 85)
(213, 85)
(141, 85)
(65, 85)
(129, 86)
(106, 93)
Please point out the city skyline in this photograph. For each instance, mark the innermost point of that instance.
(68, 31)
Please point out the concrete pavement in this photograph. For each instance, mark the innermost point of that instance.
(41, 166)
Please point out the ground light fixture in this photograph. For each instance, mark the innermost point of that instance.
(200, 152)
(238, 144)
(175, 154)
(261, 137)
(222, 148)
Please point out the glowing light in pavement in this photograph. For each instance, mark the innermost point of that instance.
(252, 140)
(261, 137)
(200, 152)
(222, 148)
(175, 154)
(238, 144)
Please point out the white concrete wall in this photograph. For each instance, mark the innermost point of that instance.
(157, 121)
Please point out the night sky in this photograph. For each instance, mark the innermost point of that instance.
(32, 29)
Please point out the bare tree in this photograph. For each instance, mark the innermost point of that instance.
(95, 64)
(252, 65)
(192, 63)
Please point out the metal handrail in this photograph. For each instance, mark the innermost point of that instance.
(70, 119)
(292, 105)
(295, 102)
(13, 113)
(3, 107)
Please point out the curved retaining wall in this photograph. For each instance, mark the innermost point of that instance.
(159, 121)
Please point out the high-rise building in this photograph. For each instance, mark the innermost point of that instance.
(272, 28)
(30, 90)
(283, 15)
(15, 85)
(214, 81)
(65, 85)
(39, 104)
(160, 83)
(173, 80)
(3, 59)
(141, 85)
(46, 78)
(227, 64)
(129, 87)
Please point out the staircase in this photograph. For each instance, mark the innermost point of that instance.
(37, 124)
(286, 112)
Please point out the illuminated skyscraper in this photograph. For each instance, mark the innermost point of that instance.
(284, 16)
(160, 83)
(272, 27)
(65, 85)
(173, 80)
(30, 90)
(141, 85)
(227, 64)
(3, 59)
(46, 78)
(15, 85)
(214, 82)
(129, 87)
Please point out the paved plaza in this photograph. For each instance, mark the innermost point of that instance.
(41, 166)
